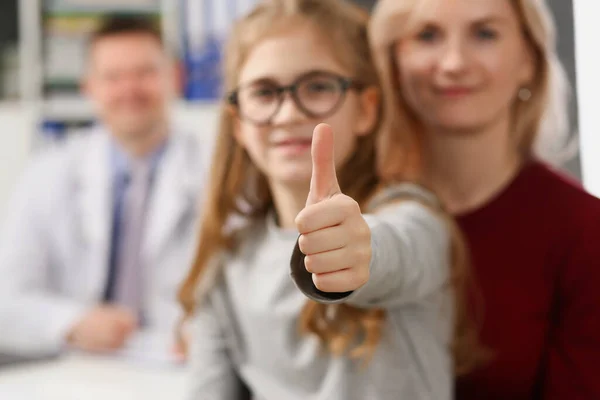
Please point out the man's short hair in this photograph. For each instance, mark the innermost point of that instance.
(126, 25)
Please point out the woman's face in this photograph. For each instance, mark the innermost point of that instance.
(462, 63)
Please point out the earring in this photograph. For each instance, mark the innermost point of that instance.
(524, 94)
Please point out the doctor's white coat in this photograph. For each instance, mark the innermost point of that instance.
(55, 242)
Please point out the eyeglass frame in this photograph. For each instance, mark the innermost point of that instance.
(345, 83)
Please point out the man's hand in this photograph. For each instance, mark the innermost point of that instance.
(104, 328)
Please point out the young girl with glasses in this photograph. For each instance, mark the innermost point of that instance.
(373, 310)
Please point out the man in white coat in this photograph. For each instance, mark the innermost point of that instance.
(101, 231)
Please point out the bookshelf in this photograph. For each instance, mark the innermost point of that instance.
(53, 44)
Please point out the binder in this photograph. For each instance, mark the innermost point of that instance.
(205, 28)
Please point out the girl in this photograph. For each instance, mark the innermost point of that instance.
(468, 84)
(384, 327)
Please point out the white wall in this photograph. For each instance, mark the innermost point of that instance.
(200, 118)
(587, 32)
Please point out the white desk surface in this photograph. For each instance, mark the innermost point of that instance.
(80, 377)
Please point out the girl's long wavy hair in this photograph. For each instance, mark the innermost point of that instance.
(238, 189)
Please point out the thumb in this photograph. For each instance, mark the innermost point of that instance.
(323, 183)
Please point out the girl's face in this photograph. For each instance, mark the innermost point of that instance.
(275, 126)
(463, 63)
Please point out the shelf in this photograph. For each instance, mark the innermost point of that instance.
(67, 108)
(94, 13)
(80, 7)
(79, 108)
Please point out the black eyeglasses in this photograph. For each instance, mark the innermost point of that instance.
(318, 94)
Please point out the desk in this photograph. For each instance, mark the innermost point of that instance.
(81, 377)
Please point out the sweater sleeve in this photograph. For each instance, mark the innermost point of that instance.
(573, 357)
(211, 374)
(410, 259)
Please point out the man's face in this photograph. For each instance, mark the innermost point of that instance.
(130, 81)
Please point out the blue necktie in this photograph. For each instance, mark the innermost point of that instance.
(129, 275)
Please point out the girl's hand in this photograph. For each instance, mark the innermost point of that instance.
(335, 237)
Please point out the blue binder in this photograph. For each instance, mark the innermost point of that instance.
(202, 64)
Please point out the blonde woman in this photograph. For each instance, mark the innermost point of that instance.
(475, 88)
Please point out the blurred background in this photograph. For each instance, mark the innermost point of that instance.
(42, 54)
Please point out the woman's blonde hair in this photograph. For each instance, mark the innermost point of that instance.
(541, 126)
(238, 189)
